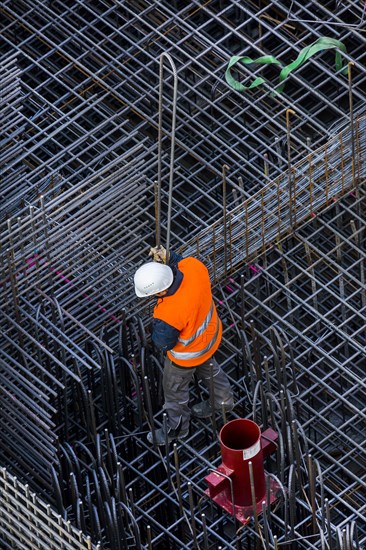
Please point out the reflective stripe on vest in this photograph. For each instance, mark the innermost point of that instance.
(186, 355)
(200, 329)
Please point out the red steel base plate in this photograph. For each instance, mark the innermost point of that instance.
(245, 513)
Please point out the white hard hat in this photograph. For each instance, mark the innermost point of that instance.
(152, 278)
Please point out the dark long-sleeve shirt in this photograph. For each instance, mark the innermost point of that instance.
(165, 336)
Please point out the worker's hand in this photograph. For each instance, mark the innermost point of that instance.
(158, 254)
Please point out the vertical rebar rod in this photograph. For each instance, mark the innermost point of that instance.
(225, 168)
(351, 115)
(168, 57)
(292, 207)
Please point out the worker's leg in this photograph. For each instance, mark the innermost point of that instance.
(176, 383)
(223, 394)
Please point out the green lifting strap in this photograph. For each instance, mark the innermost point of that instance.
(319, 45)
(265, 60)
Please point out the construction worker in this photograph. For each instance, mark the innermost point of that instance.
(186, 325)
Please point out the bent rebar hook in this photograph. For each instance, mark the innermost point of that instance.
(160, 132)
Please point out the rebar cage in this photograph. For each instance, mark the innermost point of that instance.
(269, 191)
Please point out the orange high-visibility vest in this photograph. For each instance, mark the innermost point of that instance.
(191, 310)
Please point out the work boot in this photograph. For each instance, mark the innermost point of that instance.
(173, 435)
(204, 410)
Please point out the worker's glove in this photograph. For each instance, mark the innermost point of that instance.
(158, 254)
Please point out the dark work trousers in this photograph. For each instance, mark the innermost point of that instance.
(176, 382)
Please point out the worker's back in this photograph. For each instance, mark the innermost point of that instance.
(191, 311)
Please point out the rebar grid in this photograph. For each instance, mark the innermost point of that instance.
(92, 256)
(315, 288)
(79, 81)
(292, 198)
(297, 367)
(26, 520)
(85, 77)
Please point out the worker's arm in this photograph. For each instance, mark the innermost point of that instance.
(174, 258)
(164, 335)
